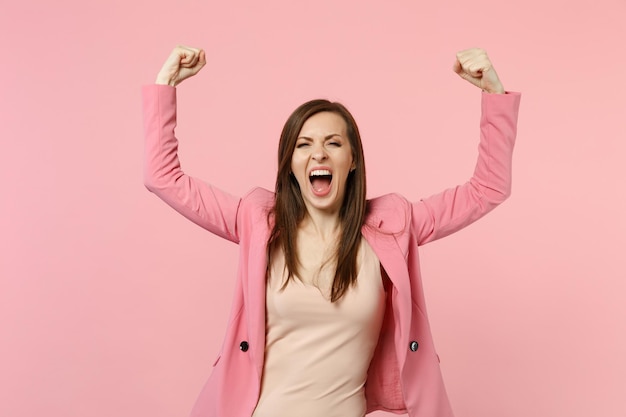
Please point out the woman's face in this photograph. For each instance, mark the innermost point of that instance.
(321, 161)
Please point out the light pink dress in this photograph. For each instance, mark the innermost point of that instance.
(317, 353)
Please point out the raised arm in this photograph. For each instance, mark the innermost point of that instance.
(201, 203)
(445, 213)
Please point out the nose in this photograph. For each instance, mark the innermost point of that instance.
(319, 153)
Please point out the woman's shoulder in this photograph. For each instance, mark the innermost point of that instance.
(390, 212)
(258, 198)
(259, 194)
(393, 201)
(253, 211)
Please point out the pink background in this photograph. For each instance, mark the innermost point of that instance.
(111, 304)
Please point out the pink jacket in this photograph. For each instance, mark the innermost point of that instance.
(404, 375)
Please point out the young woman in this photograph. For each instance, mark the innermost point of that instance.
(328, 317)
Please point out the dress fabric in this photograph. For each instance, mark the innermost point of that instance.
(317, 353)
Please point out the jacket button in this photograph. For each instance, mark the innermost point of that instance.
(413, 346)
(244, 346)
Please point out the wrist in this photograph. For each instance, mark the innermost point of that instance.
(165, 80)
(495, 91)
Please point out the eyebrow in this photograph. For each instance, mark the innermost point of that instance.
(332, 135)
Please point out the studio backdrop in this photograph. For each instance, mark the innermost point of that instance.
(112, 304)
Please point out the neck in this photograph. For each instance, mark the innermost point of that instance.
(323, 224)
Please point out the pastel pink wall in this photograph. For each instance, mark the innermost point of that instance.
(111, 304)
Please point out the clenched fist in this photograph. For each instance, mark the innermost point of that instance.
(182, 63)
(474, 66)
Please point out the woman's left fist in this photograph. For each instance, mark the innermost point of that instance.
(474, 66)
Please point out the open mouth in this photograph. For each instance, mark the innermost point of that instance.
(321, 180)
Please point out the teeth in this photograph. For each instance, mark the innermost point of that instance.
(319, 172)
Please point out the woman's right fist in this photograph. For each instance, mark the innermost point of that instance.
(182, 63)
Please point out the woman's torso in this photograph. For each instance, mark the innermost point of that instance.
(317, 353)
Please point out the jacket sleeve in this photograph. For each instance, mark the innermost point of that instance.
(451, 210)
(203, 204)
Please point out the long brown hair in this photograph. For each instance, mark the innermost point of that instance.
(289, 208)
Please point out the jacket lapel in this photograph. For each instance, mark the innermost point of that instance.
(256, 295)
(392, 259)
